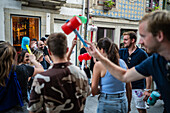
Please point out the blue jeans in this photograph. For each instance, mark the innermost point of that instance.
(112, 103)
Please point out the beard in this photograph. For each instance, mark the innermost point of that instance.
(151, 50)
(127, 46)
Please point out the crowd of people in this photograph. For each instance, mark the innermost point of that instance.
(47, 82)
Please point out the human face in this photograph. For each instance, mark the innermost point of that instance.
(26, 59)
(33, 45)
(102, 51)
(127, 41)
(147, 39)
(41, 45)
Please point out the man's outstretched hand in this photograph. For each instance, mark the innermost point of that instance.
(92, 50)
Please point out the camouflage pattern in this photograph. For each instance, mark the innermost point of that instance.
(61, 89)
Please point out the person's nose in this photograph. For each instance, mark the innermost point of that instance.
(140, 41)
(123, 41)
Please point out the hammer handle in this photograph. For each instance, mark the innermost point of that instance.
(84, 43)
(29, 50)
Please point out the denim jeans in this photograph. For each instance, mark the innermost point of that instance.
(112, 103)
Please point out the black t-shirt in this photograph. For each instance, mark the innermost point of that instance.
(46, 53)
(82, 51)
(91, 64)
(23, 72)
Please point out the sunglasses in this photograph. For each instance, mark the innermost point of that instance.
(128, 60)
(168, 73)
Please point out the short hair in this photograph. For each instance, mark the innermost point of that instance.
(131, 34)
(33, 39)
(57, 44)
(158, 21)
(43, 39)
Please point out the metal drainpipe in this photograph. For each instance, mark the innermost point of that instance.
(82, 30)
(87, 20)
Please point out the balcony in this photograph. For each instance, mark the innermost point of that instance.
(45, 4)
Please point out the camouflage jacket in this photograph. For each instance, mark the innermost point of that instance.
(61, 89)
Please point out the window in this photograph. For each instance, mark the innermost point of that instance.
(151, 5)
(100, 2)
(105, 32)
(24, 26)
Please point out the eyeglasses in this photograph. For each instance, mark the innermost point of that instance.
(128, 60)
(168, 73)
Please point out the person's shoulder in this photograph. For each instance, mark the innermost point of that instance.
(21, 67)
(76, 71)
(156, 57)
(142, 52)
(122, 63)
(41, 77)
(123, 49)
(98, 65)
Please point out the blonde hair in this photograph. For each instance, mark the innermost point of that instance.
(7, 59)
(38, 53)
(158, 21)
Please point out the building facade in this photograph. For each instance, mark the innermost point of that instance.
(38, 18)
(124, 16)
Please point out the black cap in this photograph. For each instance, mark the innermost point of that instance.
(34, 39)
(43, 39)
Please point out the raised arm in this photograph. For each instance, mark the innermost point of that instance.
(74, 42)
(118, 72)
(38, 67)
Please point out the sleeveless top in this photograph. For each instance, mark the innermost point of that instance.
(110, 85)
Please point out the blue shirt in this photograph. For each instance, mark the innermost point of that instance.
(110, 85)
(136, 58)
(156, 66)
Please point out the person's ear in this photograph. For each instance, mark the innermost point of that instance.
(67, 49)
(102, 50)
(133, 40)
(160, 36)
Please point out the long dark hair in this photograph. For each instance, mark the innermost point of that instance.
(7, 59)
(21, 56)
(110, 48)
